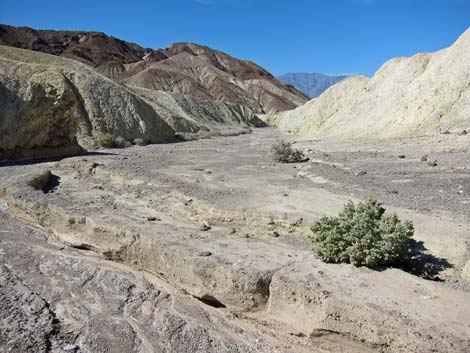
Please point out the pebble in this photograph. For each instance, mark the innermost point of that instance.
(362, 172)
(151, 219)
(275, 234)
(70, 347)
(205, 226)
(205, 253)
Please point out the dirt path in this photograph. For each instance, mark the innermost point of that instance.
(217, 220)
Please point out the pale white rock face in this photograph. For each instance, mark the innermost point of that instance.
(414, 96)
(193, 119)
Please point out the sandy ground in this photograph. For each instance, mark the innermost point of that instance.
(218, 220)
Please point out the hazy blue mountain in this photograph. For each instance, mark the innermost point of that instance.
(311, 84)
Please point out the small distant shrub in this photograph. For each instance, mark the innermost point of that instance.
(140, 142)
(106, 140)
(363, 235)
(119, 142)
(283, 152)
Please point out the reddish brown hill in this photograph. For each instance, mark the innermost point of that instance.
(186, 68)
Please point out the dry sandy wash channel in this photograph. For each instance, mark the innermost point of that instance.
(202, 246)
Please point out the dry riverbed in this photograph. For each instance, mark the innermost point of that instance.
(202, 247)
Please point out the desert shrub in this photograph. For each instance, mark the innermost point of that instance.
(283, 152)
(119, 142)
(106, 140)
(363, 235)
(139, 141)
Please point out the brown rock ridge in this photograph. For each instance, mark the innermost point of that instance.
(184, 68)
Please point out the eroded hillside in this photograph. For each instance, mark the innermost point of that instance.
(425, 94)
(184, 68)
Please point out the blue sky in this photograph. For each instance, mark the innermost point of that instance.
(334, 36)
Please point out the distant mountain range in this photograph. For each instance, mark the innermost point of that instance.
(311, 84)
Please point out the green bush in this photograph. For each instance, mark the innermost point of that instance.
(106, 140)
(119, 142)
(362, 235)
(138, 141)
(283, 152)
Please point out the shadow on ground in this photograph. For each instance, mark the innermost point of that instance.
(9, 163)
(423, 264)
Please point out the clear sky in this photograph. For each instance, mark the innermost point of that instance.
(328, 36)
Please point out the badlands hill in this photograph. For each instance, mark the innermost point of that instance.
(311, 84)
(415, 96)
(183, 68)
(54, 105)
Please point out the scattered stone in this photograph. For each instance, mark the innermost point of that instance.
(275, 234)
(151, 219)
(232, 231)
(432, 163)
(463, 132)
(204, 253)
(297, 222)
(271, 220)
(205, 226)
(401, 156)
(424, 158)
(363, 172)
(70, 347)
